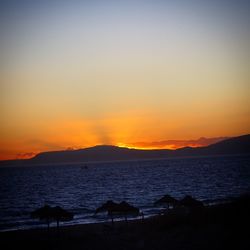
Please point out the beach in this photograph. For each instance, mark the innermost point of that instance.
(221, 226)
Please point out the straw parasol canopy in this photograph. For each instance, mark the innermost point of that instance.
(43, 213)
(125, 209)
(60, 214)
(167, 200)
(49, 214)
(107, 206)
(190, 202)
(113, 208)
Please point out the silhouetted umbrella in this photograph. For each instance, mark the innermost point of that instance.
(167, 200)
(43, 213)
(126, 209)
(189, 201)
(107, 206)
(113, 208)
(48, 214)
(60, 214)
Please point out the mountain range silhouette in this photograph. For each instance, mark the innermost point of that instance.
(235, 145)
(232, 146)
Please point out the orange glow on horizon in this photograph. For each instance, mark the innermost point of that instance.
(169, 146)
(123, 145)
(9, 155)
(131, 146)
(134, 129)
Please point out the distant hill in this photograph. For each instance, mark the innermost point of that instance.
(236, 145)
(99, 153)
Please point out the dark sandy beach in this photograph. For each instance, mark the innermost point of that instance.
(222, 226)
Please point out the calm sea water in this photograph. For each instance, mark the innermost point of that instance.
(81, 190)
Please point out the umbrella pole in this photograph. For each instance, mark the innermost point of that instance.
(142, 215)
(112, 219)
(57, 227)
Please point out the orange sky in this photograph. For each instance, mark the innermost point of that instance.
(131, 74)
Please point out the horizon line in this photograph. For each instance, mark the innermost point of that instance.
(31, 155)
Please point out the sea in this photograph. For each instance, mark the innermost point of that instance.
(82, 187)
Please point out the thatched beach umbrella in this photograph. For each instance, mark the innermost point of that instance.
(167, 200)
(60, 214)
(48, 214)
(125, 209)
(113, 208)
(108, 206)
(43, 213)
(190, 202)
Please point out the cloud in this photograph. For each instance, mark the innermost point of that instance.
(174, 144)
(25, 155)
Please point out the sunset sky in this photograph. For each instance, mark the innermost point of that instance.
(77, 73)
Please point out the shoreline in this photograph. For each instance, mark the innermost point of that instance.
(214, 227)
(107, 220)
(42, 226)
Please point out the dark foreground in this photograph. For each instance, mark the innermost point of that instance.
(216, 227)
